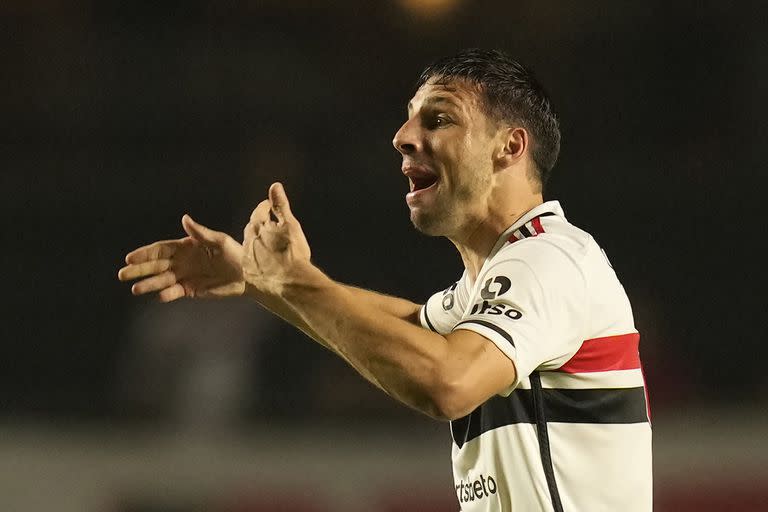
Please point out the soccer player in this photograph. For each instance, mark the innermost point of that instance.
(532, 355)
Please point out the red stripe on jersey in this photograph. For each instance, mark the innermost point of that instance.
(512, 238)
(605, 354)
(536, 223)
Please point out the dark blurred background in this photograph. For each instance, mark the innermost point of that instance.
(118, 117)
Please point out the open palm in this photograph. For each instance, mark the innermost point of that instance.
(206, 263)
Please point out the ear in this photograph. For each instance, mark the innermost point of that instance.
(514, 146)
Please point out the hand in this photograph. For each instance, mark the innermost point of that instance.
(206, 263)
(273, 249)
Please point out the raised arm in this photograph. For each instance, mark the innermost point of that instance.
(443, 376)
(380, 336)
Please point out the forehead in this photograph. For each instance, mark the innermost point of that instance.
(455, 93)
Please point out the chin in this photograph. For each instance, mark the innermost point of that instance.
(430, 224)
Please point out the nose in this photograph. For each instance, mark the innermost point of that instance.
(406, 139)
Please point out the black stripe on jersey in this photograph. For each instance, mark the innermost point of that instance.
(597, 406)
(489, 325)
(543, 434)
(429, 324)
(525, 231)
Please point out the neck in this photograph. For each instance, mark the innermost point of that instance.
(477, 239)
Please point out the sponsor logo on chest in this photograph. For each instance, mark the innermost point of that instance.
(474, 490)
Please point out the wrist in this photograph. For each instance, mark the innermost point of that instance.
(302, 278)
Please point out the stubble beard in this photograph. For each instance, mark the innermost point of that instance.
(449, 214)
(439, 222)
(451, 211)
(446, 218)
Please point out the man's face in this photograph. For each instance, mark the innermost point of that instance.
(447, 145)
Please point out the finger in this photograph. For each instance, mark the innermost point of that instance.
(136, 271)
(199, 232)
(154, 283)
(259, 217)
(164, 249)
(249, 233)
(280, 205)
(260, 214)
(172, 293)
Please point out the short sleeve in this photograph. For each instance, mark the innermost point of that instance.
(443, 310)
(532, 305)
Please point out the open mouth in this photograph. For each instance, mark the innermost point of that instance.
(422, 182)
(420, 178)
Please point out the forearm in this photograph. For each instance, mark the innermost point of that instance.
(382, 343)
(284, 311)
(400, 308)
(387, 304)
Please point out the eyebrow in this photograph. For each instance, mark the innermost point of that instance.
(433, 100)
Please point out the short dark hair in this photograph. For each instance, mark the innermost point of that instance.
(510, 93)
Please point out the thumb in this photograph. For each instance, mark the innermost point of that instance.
(280, 205)
(198, 231)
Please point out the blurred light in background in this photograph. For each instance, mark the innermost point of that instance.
(429, 9)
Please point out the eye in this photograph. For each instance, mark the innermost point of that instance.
(437, 121)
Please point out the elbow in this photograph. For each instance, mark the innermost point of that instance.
(452, 401)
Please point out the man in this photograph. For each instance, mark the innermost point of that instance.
(532, 354)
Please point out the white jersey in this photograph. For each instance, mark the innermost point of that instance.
(573, 431)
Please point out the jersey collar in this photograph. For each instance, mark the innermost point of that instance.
(548, 207)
